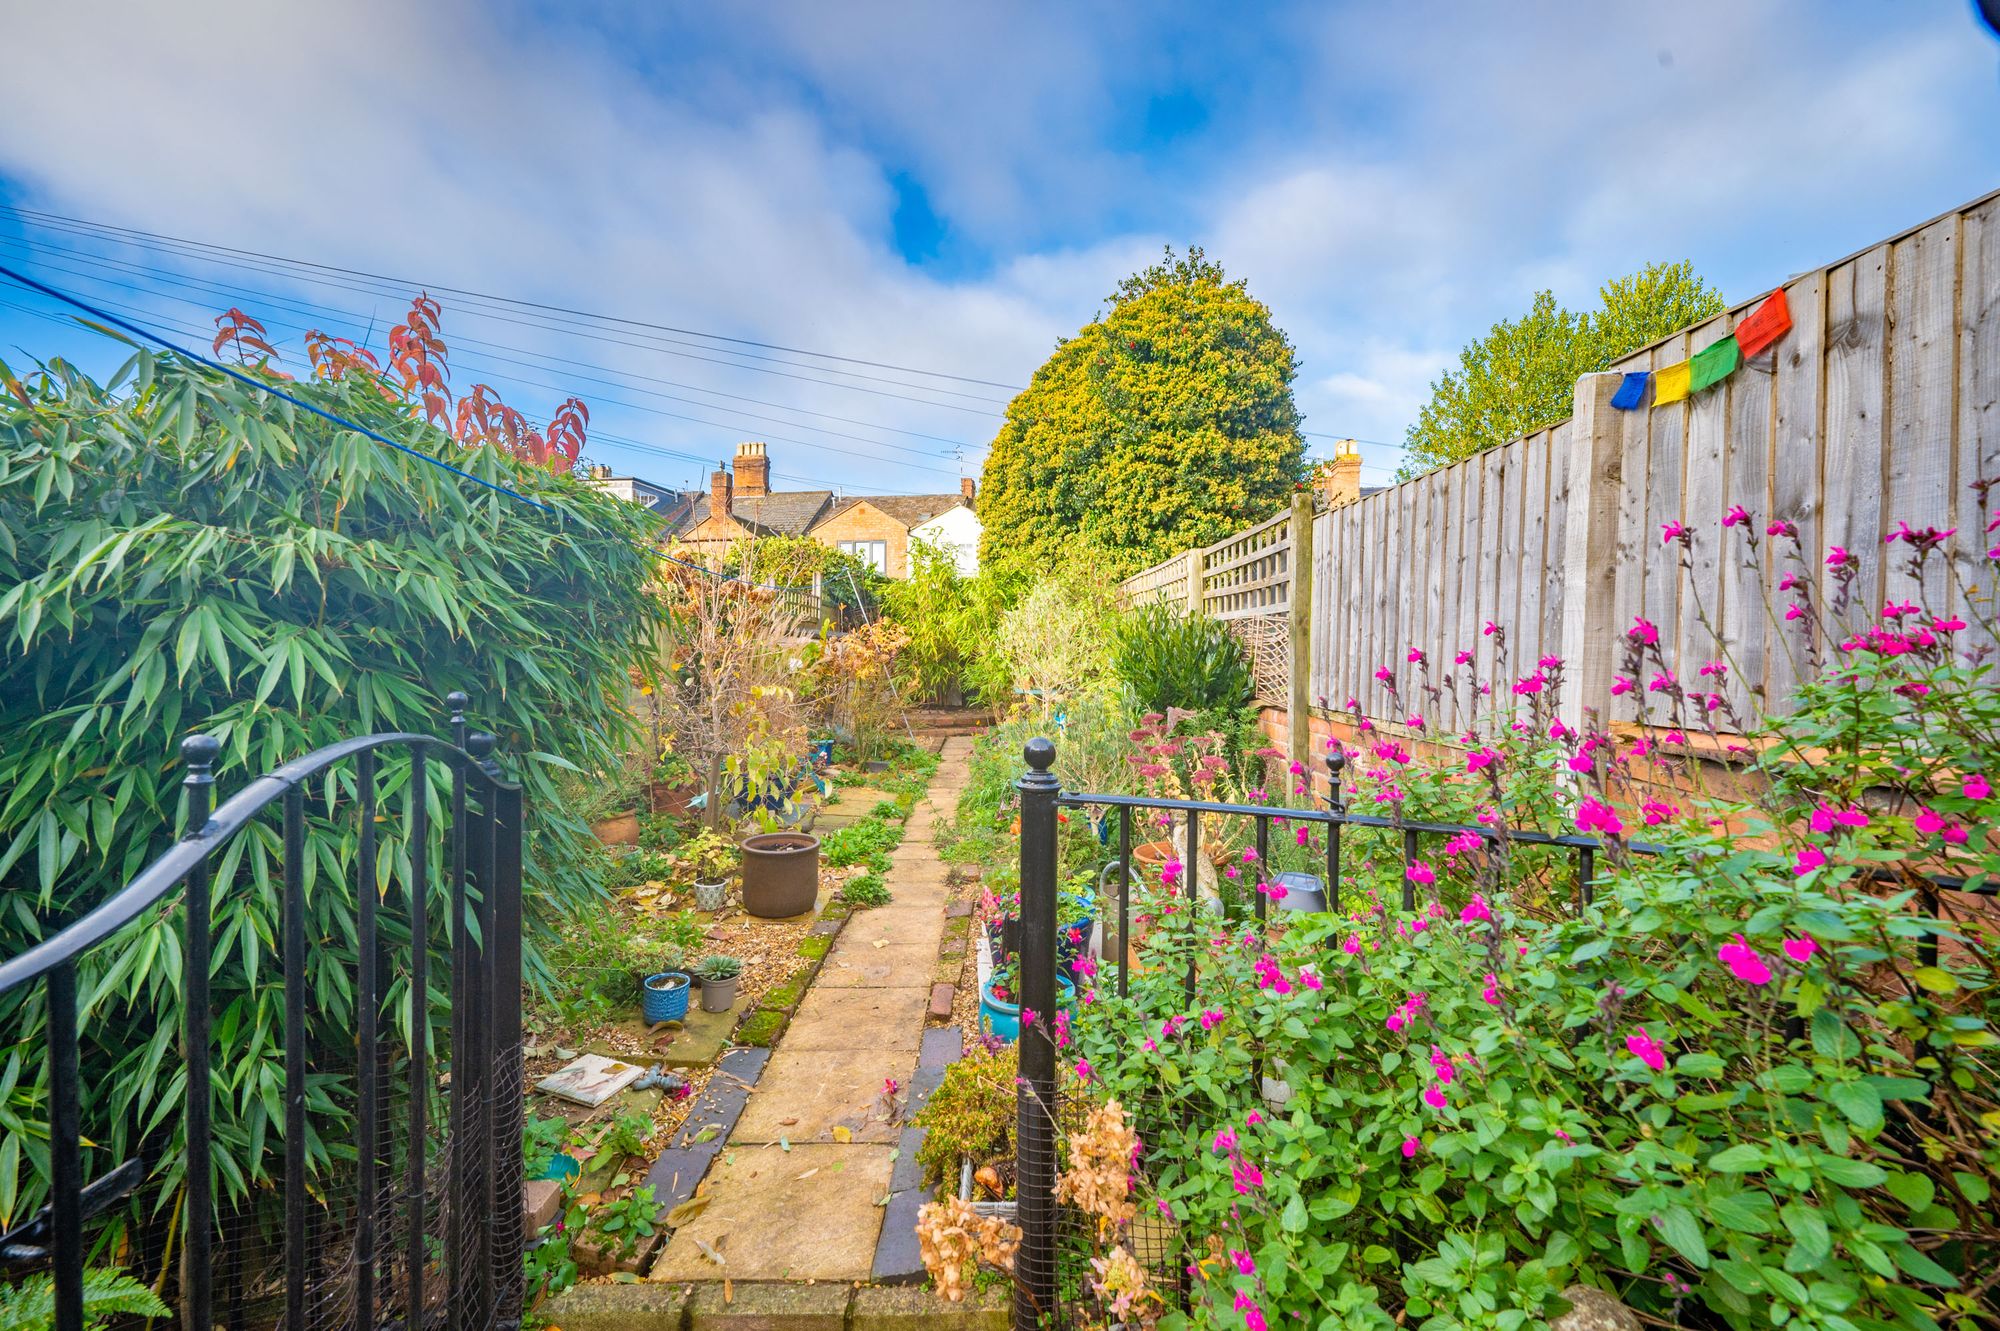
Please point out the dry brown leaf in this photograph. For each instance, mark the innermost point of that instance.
(810, 1172)
(686, 1211)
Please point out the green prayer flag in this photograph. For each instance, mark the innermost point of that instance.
(1711, 365)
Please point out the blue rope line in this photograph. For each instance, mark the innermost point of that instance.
(139, 331)
(303, 405)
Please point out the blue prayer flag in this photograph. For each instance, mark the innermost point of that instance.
(1630, 393)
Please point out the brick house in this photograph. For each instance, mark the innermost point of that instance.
(740, 504)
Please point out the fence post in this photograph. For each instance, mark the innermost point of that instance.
(1299, 616)
(1035, 1097)
(1590, 557)
(1197, 578)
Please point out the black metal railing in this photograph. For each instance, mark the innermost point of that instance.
(475, 1223)
(1035, 1263)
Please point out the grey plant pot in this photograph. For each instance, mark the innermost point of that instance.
(711, 896)
(719, 995)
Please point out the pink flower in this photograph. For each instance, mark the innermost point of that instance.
(1411, 1146)
(1225, 1141)
(1657, 813)
(1974, 787)
(1780, 527)
(1420, 872)
(1463, 658)
(1929, 822)
(1475, 909)
(1083, 1069)
(1386, 675)
(1799, 951)
(1491, 993)
(1244, 1266)
(1303, 834)
(1434, 1097)
(1743, 961)
(1414, 722)
(1529, 684)
(1480, 758)
(1643, 632)
(1253, 1316)
(1490, 629)
(1308, 977)
(1352, 946)
(1644, 1048)
(1812, 857)
(1253, 1118)
(1671, 532)
(1272, 976)
(1245, 1175)
(1211, 1019)
(1736, 517)
(1839, 557)
(1593, 816)
(1620, 686)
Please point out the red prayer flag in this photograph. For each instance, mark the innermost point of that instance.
(1766, 324)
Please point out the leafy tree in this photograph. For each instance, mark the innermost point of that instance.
(182, 552)
(1522, 375)
(1167, 423)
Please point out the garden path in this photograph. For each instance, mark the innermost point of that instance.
(801, 1189)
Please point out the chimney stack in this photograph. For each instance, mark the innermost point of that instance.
(1340, 478)
(718, 493)
(753, 470)
(968, 488)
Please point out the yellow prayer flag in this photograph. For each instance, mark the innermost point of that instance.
(1670, 384)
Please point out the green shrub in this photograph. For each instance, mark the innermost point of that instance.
(1167, 658)
(30, 1305)
(867, 841)
(865, 891)
(182, 553)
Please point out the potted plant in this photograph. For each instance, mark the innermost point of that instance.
(719, 976)
(711, 859)
(1000, 1005)
(664, 997)
(780, 865)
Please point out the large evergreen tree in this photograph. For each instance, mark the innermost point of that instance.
(1166, 423)
(1522, 375)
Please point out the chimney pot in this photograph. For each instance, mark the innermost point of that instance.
(753, 470)
(967, 487)
(1340, 478)
(718, 493)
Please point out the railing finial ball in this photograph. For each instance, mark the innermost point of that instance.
(1336, 759)
(458, 702)
(199, 752)
(1040, 753)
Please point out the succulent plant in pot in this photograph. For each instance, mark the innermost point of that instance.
(719, 976)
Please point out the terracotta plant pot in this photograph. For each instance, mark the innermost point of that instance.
(620, 831)
(780, 874)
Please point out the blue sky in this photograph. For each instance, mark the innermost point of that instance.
(952, 187)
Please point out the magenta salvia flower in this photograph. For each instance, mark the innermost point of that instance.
(1463, 658)
(1416, 656)
(1647, 1050)
(1593, 816)
(1210, 1019)
(1479, 758)
(1245, 1175)
(1671, 532)
(1463, 843)
(1302, 835)
(1840, 557)
(1475, 909)
(1083, 1069)
(1352, 946)
(1780, 527)
(1271, 976)
(1420, 872)
(1414, 722)
(1643, 631)
(1490, 629)
(1434, 1096)
(1386, 675)
(1620, 686)
(1491, 993)
(1309, 977)
(1530, 684)
(1253, 1315)
(1737, 516)
(1975, 787)
(1441, 1065)
(1657, 813)
(1410, 1147)
(1244, 1266)
(1812, 857)
(1743, 961)
(1225, 1141)
(1799, 951)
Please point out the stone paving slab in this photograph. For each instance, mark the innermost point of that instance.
(898, 1259)
(721, 1101)
(769, 1308)
(678, 1172)
(923, 1084)
(806, 1093)
(942, 1045)
(898, 919)
(843, 1018)
(809, 1213)
(908, 1173)
(898, 963)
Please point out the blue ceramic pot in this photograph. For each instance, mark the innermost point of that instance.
(1003, 1019)
(669, 1003)
(1067, 950)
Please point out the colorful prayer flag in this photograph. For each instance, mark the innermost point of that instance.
(1630, 393)
(1713, 363)
(1765, 325)
(1670, 384)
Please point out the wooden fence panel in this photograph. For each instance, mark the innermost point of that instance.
(1978, 422)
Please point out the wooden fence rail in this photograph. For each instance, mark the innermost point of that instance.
(1880, 406)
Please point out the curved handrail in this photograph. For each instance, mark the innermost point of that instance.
(153, 883)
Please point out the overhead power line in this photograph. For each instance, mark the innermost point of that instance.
(156, 237)
(519, 380)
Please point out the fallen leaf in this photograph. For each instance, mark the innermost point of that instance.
(810, 1172)
(881, 942)
(686, 1211)
(712, 1254)
(624, 1277)
(788, 1123)
(590, 1199)
(843, 1134)
(728, 1290)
